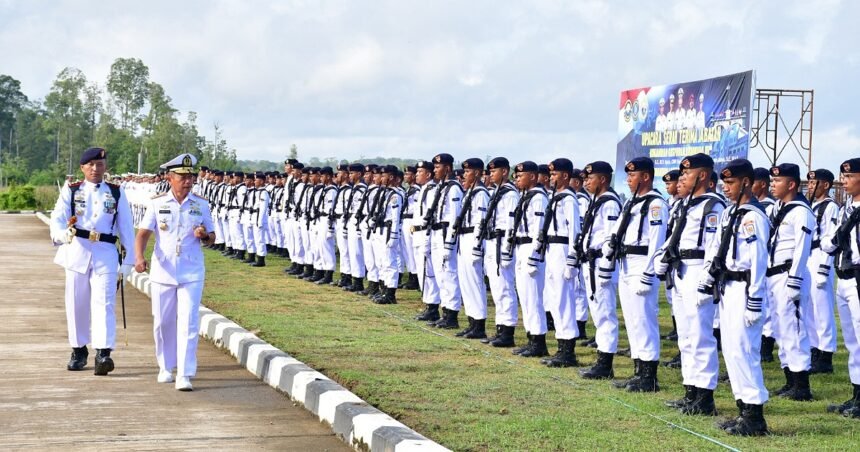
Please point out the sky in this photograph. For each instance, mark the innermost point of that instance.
(530, 80)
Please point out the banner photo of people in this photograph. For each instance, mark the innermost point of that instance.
(670, 122)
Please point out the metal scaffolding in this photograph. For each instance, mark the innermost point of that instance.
(773, 112)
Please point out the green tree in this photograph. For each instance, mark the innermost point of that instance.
(294, 152)
(12, 100)
(66, 113)
(128, 85)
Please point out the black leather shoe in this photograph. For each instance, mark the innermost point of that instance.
(104, 363)
(79, 358)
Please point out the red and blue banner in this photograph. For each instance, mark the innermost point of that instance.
(670, 122)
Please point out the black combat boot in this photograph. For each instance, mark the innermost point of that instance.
(671, 335)
(674, 363)
(307, 271)
(104, 363)
(602, 370)
(732, 422)
(239, 255)
(767, 344)
(550, 323)
(357, 286)
(688, 399)
(580, 325)
(823, 365)
(489, 339)
(468, 328)
(430, 313)
(718, 335)
(402, 285)
(799, 391)
(79, 358)
(647, 378)
(565, 357)
(372, 288)
(380, 292)
(318, 275)
(637, 369)
(343, 282)
(849, 406)
(228, 251)
(538, 348)
(251, 258)
(448, 320)
(814, 354)
(479, 331)
(505, 338)
(389, 297)
(518, 350)
(412, 282)
(703, 405)
(789, 382)
(292, 269)
(326, 279)
(752, 422)
(261, 262)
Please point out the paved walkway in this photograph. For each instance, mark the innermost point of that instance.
(44, 406)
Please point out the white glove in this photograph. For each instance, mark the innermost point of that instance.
(477, 255)
(660, 267)
(570, 272)
(604, 278)
(706, 279)
(751, 317)
(531, 269)
(793, 293)
(606, 249)
(507, 260)
(704, 295)
(643, 287)
(68, 236)
(820, 280)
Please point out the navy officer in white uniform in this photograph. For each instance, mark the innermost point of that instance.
(85, 223)
(181, 223)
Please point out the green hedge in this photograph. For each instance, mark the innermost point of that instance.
(18, 197)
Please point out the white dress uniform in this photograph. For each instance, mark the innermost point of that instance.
(821, 322)
(443, 255)
(421, 245)
(340, 228)
(501, 272)
(355, 204)
(371, 198)
(644, 234)
(744, 288)
(579, 295)
(470, 267)
(286, 215)
(406, 247)
(558, 298)
(375, 237)
(680, 118)
(223, 213)
(787, 274)
(276, 234)
(530, 267)
(177, 273)
(237, 230)
(323, 225)
(91, 260)
(390, 228)
(297, 254)
(259, 220)
(847, 300)
(660, 123)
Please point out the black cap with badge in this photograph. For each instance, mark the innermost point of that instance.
(93, 154)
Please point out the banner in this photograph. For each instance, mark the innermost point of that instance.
(670, 122)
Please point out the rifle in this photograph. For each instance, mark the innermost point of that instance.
(579, 241)
(483, 231)
(718, 265)
(842, 240)
(616, 241)
(672, 255)
(548, 217)
(430, 216)
(467, 206)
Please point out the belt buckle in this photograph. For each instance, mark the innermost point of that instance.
(94, 236)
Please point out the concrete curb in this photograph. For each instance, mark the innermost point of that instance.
(352, 419)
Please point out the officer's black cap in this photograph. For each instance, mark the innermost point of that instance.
(598, 167)
(473, 163)
(527, 167)
(821, 174)
(327, 171)
(639, 164)
(671, 176)
(738, 168)
(786, 170)
(543, 169)
(695, 161)
(444, 159)
(762, 174)
(499, 162)
(93, 154)
(356, 168)
(564, 165)
(850, 166)
(425, 165)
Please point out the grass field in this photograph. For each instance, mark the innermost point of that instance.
(469, 396)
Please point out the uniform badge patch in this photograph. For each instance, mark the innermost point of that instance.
(749, 228)
(655, 213)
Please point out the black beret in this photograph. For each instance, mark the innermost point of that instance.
(738, 168)
(306, 169)
(93, 154)
(598, 167)
(786, 170)
(562, 164)
(851, 166)
(761, 174)
(458, 172)
(228, 173)
(218, 172)
(327, 171)
(343, 167)
(697, 161)
(204, 168)
(355, 168)
(499, 162)
(473, 163)
(543, 169)
(671, 176)
(410, 169)
(822, 175)
(527, 167)
(388, 169)
(714, 177)
(239, 174)
(291, 162)
(298, 165)
(639, 164)
(259, 175)
(370, 167)
(444, 159)
(424, 164)
(577, 173)
(250, 174)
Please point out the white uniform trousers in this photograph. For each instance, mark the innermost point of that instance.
(342, 243)
(176, 324)
(225, 231)
(248, 233)
(470, 273)
(275, 233)
(297, 254)
(237, 235)
(90, 300)
(502, 284)
(558, 292)
(407, 251)
(356, 251)
(530, 291)
(372, 272)
(639, 311)
(849, 316)
(389, 262)
(260, 239)
(426, 278)
(700, 363)
(327, 259)
(788, 320)
(380, 253)
(219, 234)
(307, 246)
(446, 272)
(821, 321)
(271, 232)
(602, 304)
(580, 299)
(741, 346)
(289, 237)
